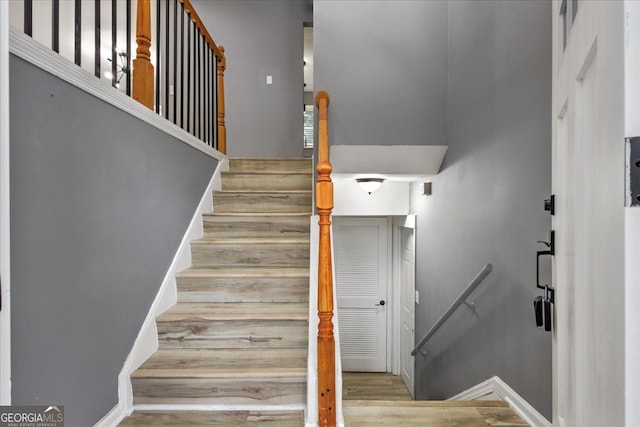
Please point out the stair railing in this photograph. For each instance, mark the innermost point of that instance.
(324, 206)
(461, 300)
(178, 72)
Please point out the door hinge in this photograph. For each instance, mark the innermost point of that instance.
(632, 196)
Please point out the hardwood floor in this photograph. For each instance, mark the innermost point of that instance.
(476, 413)
(381, 399)
(373, 386)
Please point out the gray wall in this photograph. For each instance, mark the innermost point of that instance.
(487, 204)
(261, 37)
(384, 65)
(100, 202)
(475, 75)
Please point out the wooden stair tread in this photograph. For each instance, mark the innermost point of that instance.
(429, 403)
(201, 311)
(249, 271)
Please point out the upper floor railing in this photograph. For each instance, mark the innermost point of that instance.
(178, 70)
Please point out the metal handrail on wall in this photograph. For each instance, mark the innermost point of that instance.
(462, 299)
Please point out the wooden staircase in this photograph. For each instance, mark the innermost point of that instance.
(238, 334)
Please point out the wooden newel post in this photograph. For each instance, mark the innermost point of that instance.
(222, 130)
(142, 66)
(326, 342)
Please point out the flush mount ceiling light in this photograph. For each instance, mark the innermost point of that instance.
(370, 184)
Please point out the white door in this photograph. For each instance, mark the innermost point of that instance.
(588, 181)
(361, 258)
(407, 307)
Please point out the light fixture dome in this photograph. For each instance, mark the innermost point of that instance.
(370, 184)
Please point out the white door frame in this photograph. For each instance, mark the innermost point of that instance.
(398, 223)
(5, 325)
(387, 309)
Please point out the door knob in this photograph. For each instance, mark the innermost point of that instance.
(381, 302)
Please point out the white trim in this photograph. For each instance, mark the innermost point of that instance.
(5, 229)
(42, 57)
(113, 417)
(146, 342)
(519, 405)
(394, 348)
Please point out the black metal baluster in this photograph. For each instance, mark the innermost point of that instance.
(212, 78)
(188, 73)
(175, 61)
(207, 86)
(158, 62)
(78, 33)
(96, 42)
(28, 17)
(215, 101)
(196, 54)
(114, 43)
(212, 119)
(55, 26)
(182, 65)
(167, 60)
(128, 59)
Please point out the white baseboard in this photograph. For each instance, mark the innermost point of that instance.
(146, 342)
(113, 417)
(520, 406)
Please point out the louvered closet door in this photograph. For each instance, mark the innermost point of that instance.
(360, 246)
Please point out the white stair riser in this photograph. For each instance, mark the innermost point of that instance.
(265, 182)
(211, 255)
(273, 289)
(262, 202)
(261, 226)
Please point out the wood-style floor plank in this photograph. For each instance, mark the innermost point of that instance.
(373, 386)
(215, 419)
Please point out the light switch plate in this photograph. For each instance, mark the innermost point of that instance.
(417, 297)
(269, 80)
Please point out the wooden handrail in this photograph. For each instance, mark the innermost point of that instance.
(324, 205)
(142, 66)
(143, 75)
(190, 10)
